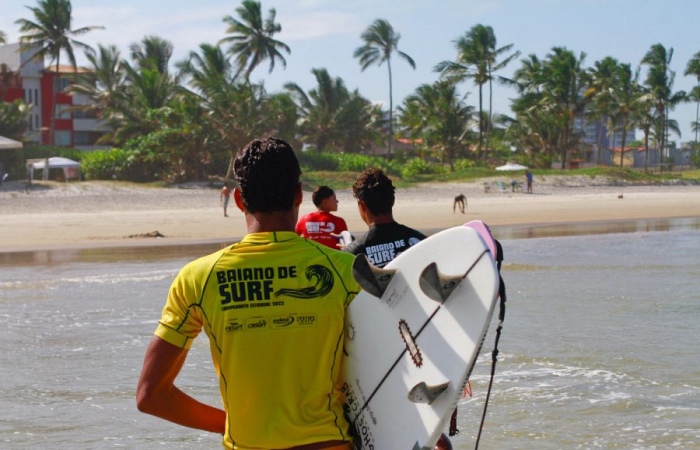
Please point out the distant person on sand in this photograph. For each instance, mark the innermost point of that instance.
(321, 225)
(528, 177)
(225, 197)
(280, 384)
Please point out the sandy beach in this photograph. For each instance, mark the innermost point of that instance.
(56, 215)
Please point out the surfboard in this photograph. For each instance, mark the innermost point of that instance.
(412, 338)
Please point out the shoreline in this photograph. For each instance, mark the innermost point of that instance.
(79, 215)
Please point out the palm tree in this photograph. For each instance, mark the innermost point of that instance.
(252, 39)
(49, 35)
(477, 55)
(153, 52)
(437, 114)
(601, 76)
(104, 82)
(693, 68)
(381, 41)
(3, 37)
(331, 117)
(660, 82)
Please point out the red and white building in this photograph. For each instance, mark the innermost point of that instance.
(21, 77)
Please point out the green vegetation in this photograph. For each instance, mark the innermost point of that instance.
(176, 121)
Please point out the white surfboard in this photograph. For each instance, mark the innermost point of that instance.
(413, 336)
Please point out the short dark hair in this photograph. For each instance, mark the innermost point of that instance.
(375, 189)
(267, 172)
(320, 194)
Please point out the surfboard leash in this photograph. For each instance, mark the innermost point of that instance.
(494, 354)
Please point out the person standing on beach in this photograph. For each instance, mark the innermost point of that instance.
(279, 380)
(225, 197)
(321, 225)
(528, 177)
(386, 238)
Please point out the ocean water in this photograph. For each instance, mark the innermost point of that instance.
(599, 347)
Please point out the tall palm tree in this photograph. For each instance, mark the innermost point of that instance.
(381, 41)
(49, 35)
(252, 38)
(3, 37)
(477, 59)
(693, 68)
(599, 92)
(660, 82)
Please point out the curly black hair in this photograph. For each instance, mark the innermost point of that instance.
(267, 172)
(375, 189)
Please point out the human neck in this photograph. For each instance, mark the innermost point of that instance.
(262, 222)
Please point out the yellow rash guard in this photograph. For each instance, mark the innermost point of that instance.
(273, 306)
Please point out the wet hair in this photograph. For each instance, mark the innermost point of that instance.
(267, 172)
(320, 194)
(375, 189)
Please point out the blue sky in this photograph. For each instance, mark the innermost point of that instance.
(324, 34)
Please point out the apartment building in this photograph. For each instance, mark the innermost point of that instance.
(22, 77)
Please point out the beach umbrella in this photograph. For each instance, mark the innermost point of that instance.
(511, 166)
(7, 143)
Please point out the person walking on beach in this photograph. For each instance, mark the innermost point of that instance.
(224, 197)
(321, 225)
(279, 381)
(386, 238)
(528, 177)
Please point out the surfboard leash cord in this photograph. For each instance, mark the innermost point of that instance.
(494, 355)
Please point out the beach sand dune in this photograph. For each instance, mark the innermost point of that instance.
(104, 214)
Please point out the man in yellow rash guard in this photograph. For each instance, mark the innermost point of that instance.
(273, 307)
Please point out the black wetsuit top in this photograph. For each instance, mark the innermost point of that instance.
(384, 242)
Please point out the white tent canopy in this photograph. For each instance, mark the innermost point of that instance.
(7, 143)
(71, 169)
(511, 166)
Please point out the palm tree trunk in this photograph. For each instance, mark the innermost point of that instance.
(52, 127)
(624, 137)
(481, 121)
(391, 111)
(646, 150)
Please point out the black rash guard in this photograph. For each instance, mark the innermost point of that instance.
(384, 242)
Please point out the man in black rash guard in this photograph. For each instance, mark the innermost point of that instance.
(386, 238)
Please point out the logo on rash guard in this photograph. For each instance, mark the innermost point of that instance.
(323, 284)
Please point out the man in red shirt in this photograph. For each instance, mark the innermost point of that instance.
(321, 225)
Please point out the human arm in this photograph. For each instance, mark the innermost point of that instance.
(156, 393)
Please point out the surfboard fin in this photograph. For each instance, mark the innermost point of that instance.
(422, 393)
(436, 285)
(371, 278)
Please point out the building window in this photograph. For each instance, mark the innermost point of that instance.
(63, 83)
(62, 137)
(36, 96)
(84, 138)
(36, 121)
(62, 112)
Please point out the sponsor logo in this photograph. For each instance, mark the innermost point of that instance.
(308, 320)
(282, 321)
(256, 323)
(234, 326)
